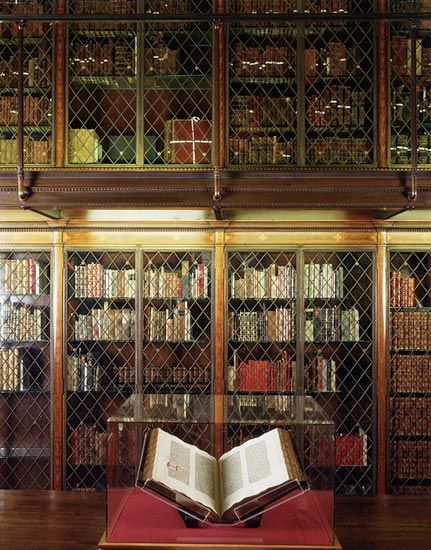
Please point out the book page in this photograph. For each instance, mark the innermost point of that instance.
(186, 469)
(251, 468)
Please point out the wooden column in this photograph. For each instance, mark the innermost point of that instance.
(381, 375)
(382, 88)
(57, 332)
(219, 339)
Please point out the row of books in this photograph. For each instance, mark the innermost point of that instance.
(401, 149)
(256, 375)
(93, 280)
(276, 325)
(411, 330)
(19, 276)
(173, 405)
(402, 289)
(265, 61)
(102, 7)
(336, 150)
(320, 374)
(249, 112)
(35, 29)
(329, 6)
(37, 110)
(274, 281)
(21, 323)
(410, 416)
(334, 59)
(37, 149)
(401, 105)
(323, 281)
(350, 450)
(332, 324)
(258, 149)
(110, 57)
(401, 56)
(411, 459)
(263, 6)
(104, 324)
(87, 445)
(411, 373)
(11, 370)
(411, 489)
(187, 281)
(83, 372)
(337, 106)
(179, 374)
(37, 70)
(172, 324)
(159, 59)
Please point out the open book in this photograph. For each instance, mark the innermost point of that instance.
(241, 482)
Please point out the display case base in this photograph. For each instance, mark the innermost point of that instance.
(104, 545)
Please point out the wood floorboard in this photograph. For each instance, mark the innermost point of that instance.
(48, 520)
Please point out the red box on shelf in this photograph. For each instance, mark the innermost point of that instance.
(188, 141)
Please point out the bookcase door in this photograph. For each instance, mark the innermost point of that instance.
(410, 53)
(100, 356)
(140, 93)
(409, 376)
(301, 92)
(38, 93)
(261, 349)
(338, 342)
(177, 330)
(25, 369)
(300, 322)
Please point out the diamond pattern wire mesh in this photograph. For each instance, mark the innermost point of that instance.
(409, 375)
(170, 104)
(401, 66)
(262, 87)
(261, 336)
(339, 113)
(38, 66)
(100, 356)
(25, 375)
(102, 86)
(177, 92)
(338, 360)
(177, 330)
(338, 333)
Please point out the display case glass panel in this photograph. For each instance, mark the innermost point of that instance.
(137, 516)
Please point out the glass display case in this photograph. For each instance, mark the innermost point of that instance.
(296, 512)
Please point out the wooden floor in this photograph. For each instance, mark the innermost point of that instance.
(75, 521)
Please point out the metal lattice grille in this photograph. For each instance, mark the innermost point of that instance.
(99, 358)
(339, 114)
(38, 67)
(401, 67)
(262, 87)
(261, 333)
(177, 329)
(409, 402)
(338, 334)
(140, 94)
(102, 86)
(337, 365)
(177, 102)
(25, 375)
